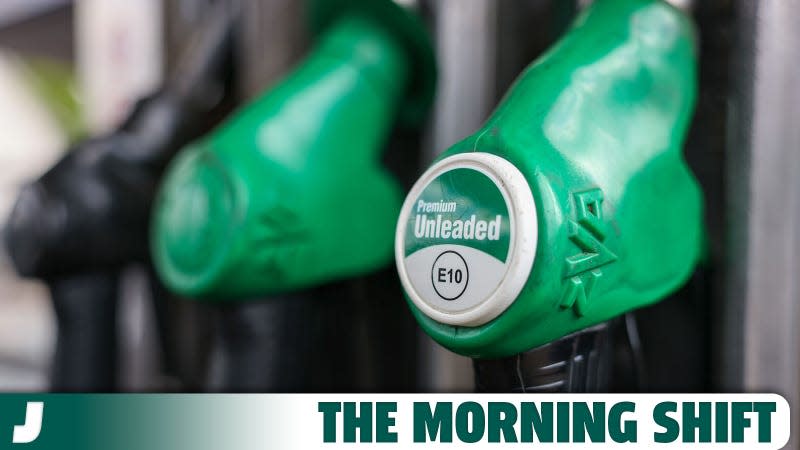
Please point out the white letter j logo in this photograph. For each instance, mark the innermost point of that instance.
(29, 431)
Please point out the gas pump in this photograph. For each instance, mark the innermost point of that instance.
(86, 219)
(269, 215)
(571, 206)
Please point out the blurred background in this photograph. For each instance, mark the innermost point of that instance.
(71, 69)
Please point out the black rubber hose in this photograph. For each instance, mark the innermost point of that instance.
(86, 345)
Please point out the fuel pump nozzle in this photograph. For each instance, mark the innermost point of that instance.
(290, 192)
(267, 215)
(571, 206)
(86, 218)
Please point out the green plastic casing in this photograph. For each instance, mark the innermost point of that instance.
(290, 191)
(596, 127)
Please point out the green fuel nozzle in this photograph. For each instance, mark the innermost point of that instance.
(290, 192)
(573, 203)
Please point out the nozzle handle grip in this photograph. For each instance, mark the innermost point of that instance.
(579, 362)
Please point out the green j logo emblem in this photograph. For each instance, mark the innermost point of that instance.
(29, 431)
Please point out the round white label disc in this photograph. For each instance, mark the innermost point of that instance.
(466, 239)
